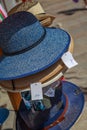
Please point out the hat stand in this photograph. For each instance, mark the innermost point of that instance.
(54, 72)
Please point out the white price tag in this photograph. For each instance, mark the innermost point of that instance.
(50, 92)
(36, 91)
(68, 60)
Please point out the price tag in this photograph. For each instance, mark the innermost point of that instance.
(36, 91)
(68, 60)
(50, 92)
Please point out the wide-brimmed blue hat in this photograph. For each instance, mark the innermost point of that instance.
(29, 48)
(54, 118)
(3, 115)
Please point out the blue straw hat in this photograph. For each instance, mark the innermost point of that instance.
(54, 118)
(29, 48)
(3, 115)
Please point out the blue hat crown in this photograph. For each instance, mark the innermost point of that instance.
(19, 32)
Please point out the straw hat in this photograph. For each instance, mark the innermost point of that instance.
(35, 8)
(29, 47)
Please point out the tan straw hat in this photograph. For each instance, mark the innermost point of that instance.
(35, 8)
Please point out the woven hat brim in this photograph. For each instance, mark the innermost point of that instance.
(73, 106)
(36, 9)
(49, 51)
(33, 7)
(22, 7)
(43, 16)
(3, 115)
(45, 19)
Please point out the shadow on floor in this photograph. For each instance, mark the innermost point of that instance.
(71, 11)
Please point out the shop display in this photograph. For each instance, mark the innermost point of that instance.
(31, 53)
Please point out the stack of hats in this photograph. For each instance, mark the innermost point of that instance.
(36, 8)
(32, 53)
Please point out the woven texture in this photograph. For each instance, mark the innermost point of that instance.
(27, 6)
(74, 108)
(17, 35)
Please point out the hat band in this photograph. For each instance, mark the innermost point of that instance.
(28, 48)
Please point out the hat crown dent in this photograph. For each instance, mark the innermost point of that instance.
(19, 31)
